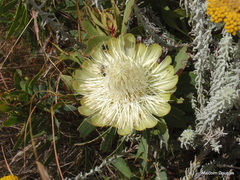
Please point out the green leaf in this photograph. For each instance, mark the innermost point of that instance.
(143, 152)
(163, 131)
(177, 100)
(106, 144)
(186, 84)
(68, 81)
(11, 121)
(162, 175)
(17, 79)
(18, 20)
(175, 118)
(57, 106)
(7, 7)
(193, 78)
(180, 13)
(24, 97)
(42, 87)
(73, 56)
(57, 123)
(180, 61)
(86, 128)
(25, 18)
(126, 15)
(87, 159)
(139, 30)
(117, 14)
(32, 84)
(170, 17)
(69, 107)
(95, 42)
(105, 177)
(4, 108)
(89, 28)
(39, 134)
(122, 166)
(142, 149)
(94, 18)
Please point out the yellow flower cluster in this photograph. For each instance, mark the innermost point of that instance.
(227, 11)
(10, 177)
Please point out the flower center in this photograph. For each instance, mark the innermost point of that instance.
(126, 80)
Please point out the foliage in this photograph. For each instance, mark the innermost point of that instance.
(54, 141)
(217, 83)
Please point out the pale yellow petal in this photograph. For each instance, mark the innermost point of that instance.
(82, 75)
(161, 109)
(140, 127)
(150, 121)
(76, 74)
(86, 65)
(167, 72)
(129, 45)
(168, 83)
(96, 120)
(172, 90)
(76, 84)
(115, 48)
(123, 132)
(99, 55)
(158, 68)
(141, 50)
(90, 69)
(165, 63)
(85, 110)
(165, 84)
(165, 96)
(83, 101)
(153, 53)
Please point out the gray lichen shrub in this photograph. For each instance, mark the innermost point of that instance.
(187, 138)
(218, 79)
(190, 172)
(224, 86)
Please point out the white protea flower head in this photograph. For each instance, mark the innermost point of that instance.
(123, 86)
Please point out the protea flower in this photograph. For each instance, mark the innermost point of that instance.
(123, 86)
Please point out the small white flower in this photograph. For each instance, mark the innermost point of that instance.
(123, 85)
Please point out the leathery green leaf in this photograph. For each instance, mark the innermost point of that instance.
(117, 14)
(67, 80)
(73, 56)
(11, 121)
(94, 18)
(180, 60)
(163, 175)
(86, 128)
(142, 149)
(33, 81)
(89, 28)
(126, 15)
(163, 131)
(18, 20)
(4, 108)
(106, 144)
(94, 42)
(7, 7)
(122, 166)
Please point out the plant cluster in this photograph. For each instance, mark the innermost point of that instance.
(226, 11)
(10, 177)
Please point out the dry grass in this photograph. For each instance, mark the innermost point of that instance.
(21, 161)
